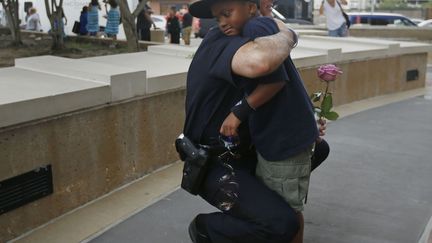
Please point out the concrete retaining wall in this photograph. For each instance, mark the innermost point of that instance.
(370, 78)
(383, 32)
(91, 152)
(401, 33)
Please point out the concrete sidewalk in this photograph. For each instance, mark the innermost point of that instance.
(376, 186)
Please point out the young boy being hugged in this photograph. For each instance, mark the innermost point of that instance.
(279, 112)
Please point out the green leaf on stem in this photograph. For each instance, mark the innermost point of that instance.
(332, 115)
(327, 103)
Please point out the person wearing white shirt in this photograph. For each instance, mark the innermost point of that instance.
(33, 21)
(2, 18)
(336, 23)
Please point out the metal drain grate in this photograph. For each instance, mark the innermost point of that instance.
(412, 75)
(25, 188)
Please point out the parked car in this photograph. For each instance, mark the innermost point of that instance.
(383, 19)
(297, 21)
(416, 21)
(426, 23)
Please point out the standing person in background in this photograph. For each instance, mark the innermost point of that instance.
(61, 25)
(266, 8)
(144, 23)
(33, 21)
(173, 26)
(113, 19)
(3, 18)
(83, 21)
(336, 23)
(93, 18)
(27, 14)
(64, 17)
(186, 25)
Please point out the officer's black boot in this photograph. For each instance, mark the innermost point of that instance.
(197, 230)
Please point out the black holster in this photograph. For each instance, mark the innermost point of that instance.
(196, 162)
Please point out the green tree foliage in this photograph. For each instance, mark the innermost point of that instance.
(128, 20)
(427, 4)
(393, 4)
(55, 14)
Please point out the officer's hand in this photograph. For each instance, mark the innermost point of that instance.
(230, 126)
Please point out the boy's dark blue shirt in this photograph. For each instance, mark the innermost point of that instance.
(285, 125)
(210, 89)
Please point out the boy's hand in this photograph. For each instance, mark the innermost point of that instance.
(230, 125)
(322, 126)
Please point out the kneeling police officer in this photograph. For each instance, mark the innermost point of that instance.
(250, 212)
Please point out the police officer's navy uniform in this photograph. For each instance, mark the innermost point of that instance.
(259, 215)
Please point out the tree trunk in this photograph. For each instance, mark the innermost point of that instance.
(129, 26)
(17, 30)
(55, 14)
(57, 32)
(11, 9)
(131, 33)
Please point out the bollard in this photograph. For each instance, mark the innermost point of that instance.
(157, 35)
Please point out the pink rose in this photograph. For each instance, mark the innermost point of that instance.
(328, 72)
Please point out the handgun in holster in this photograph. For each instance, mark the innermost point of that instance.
(195, 164)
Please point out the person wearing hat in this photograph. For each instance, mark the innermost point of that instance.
(257, 214)
(272, 126)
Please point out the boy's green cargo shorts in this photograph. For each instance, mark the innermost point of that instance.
(289, 178)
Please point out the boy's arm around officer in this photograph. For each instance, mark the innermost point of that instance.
(254, 59)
